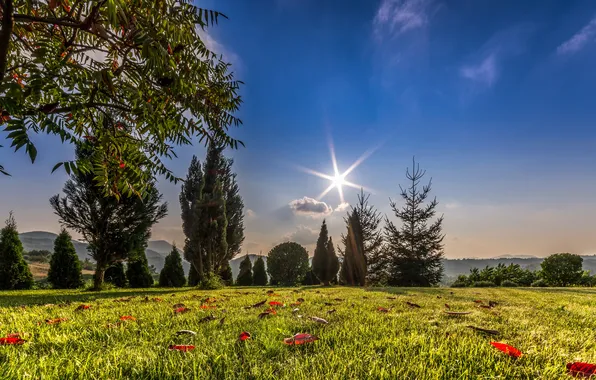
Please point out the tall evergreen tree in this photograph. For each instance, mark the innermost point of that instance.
(325, 263)
(65, 266)
(226, 275)
(415, 251)
(234, 213)
(172, 274)
(245, 275)
(259, 274)
(113, 227)
(353, 266)
(116, 275)
(14, 271)
(193, 276)
(137, 269)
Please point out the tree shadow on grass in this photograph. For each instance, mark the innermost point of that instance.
(44, 297)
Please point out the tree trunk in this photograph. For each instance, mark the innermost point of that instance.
(326, 283)
(98, 277)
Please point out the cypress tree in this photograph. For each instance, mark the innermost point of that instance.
(226, 275)
(65, 266)
(193, 276)
(353, 266)
(137, 270)
(415, 251)
(172, 274)
(245, 275)
(14, 271)
(115, 275)
(259, 274)
(319, 260)
(332, 262)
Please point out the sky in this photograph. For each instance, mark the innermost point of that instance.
(494, 99)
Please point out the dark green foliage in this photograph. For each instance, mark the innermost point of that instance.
(88, 264)
(65, 266)
(541, 283)
(562, 269)
(113, 227)
(226, 275)
(245, 274)
(415, 251)
(211, 281)
(137, 270)
(325, 263)
(172, 274)
(259, 274)
(14, 271)
(353, 265)
(483, 284)
(37, 256)
(498, 275)
(157, 86)
(287, 263)
(193, 276)
(115, 275)
(310, 278)
(509, 284)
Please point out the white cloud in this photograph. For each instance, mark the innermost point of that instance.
(342, 207)
(485, 72)
(303, 235)
(216, 47)
(452, 205)
(579, 39)
(395, 17)
(311, 207)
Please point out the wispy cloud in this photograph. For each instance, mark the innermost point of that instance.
(579, 40)
(395, 17)
(485, 72)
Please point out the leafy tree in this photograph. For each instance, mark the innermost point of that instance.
(14, 271)
(137, 269)
(116, 275)
(193, 276)
(172, 274)
(415, 251)
(226, 275)
(38, 256)
(287, 263)
(353, 265)
(562, 269)
(259, 274)
(245, 274)
(65, 266)
(113, 227)
(134, 77)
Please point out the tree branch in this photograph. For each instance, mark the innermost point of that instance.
(48, 20)
(7, 25)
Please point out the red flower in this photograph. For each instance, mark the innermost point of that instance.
(509, 350)
(579, 369)
(300, 339)
(183, 348)
(122, 164)
(127, 318)
(244, 336)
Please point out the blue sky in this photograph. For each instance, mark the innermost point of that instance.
(494, 98)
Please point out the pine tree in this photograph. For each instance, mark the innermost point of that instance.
(172, 274)
(14, 271)
(415, 251)
(65, 266)
(332, 262)
(259, 274)
(190, 198)
(245, 275)
(193, 276)
(137, 270)
(319, 260)
(353, 266)
(226, 275)
(115, 275)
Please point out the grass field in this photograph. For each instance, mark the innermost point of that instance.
(550, 326)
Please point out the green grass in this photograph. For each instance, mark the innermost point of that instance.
(550, 326)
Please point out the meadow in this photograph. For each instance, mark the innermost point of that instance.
(360, 341)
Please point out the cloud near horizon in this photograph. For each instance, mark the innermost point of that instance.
(310, 207)
(579, 40)
(303, 235)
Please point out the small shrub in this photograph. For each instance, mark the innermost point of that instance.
(211, 282)
(539, 283)
(509, 284)
(459, 284)
(483, 284)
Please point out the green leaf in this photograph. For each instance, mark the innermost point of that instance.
(57, 166)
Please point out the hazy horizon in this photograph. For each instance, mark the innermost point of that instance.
(495, 101)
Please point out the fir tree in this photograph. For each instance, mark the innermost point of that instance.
(193, 276)
(14, 271)
(353, 266)
(137, 270)
(115, 275)
(259, 274)
(245, 275)
(226, 275)
(65, 266)
(415, 251)
(172, 274)
(325, 263)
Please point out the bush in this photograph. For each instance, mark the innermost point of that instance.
(211, 282)
(509, 284)
(137, 271)
(172, 274)
(65, 266)
(115, 275)
(193, 276)
(459, 284)
(226, 275)
(541, 283)
(14, 271)
(483, 284)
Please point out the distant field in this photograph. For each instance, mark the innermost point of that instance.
(550, 326)
(40, 271)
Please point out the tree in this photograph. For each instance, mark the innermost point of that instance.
(226, 275)
(325, 263)
(14, 271)
(310, 278)
(193, 276)
(65, 267)
(415, 251)
(113, 227)
(134, 77)
(172, 273)
(38, 256)
(212, 213)
(259, 274)
(116, 275)
(353, 265)
(369, 219)
(287, 263)
(137, 269)
(562, 269)
(245, 274)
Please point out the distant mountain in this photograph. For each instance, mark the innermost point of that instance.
(160, 246)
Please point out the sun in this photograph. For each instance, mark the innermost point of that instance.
(338, 181)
